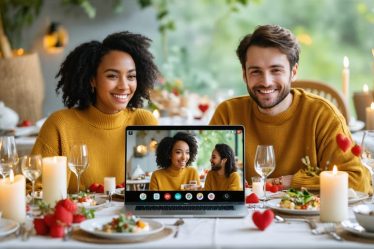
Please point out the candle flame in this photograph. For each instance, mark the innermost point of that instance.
(334, 170)
(372, 106)
(156, 113)
(346, 62)
(365, 88)
(11, 176)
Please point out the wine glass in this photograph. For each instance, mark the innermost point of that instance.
(31, 167)
(264, 162)
(78, 160)
(8, 155)
(367, 153)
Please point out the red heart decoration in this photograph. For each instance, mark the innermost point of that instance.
(203, 107)
(356, 150)
(252, 198)
(263, 220)
(343, 142)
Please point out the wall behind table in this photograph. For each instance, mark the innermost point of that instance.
(82, 29)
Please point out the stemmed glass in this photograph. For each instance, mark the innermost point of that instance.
(367, 154)
(8, 155)
(264, 162)
(78, 160)
(32, 169)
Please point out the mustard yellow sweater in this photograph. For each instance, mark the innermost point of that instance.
(171, 179)
(216, 182)
(104, 135)
(308, 128)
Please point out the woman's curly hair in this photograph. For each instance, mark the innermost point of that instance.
(165, 147)
(80, 67)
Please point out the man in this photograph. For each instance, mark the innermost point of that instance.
(298, 124)
(223, 175)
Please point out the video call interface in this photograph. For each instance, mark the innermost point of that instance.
(143, 172)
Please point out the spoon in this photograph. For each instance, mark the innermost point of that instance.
(178, 223)
(311, 223)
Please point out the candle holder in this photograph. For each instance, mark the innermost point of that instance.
(361, 101)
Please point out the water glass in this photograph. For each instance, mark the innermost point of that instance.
(8, 155)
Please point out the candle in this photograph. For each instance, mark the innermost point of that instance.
(258, 186)
(370, 117)
(345, 77)
(334, 195)
(13, 197)
(361, 101)
(54, 179)
(156, 113)
(109, 184)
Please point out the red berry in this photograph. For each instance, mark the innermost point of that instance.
(40, 226)
(26, 123)
(93, 187)
(356, 150)
(50, 219)
(68, 204)
(252, 198)
(268, 186)
(63, 215)
(274, 188)
(100, 189)
(57, 231)
(78, 218)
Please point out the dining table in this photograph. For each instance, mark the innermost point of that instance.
(204, 233)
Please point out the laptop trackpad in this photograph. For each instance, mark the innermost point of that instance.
(183, 212)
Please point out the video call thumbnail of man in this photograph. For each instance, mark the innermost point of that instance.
(164, 160)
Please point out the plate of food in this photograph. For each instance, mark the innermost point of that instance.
(296, 202)
(88, 201)
(353, 227)
(7, 226)
(124, 226)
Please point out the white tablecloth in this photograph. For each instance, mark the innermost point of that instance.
(209, 233)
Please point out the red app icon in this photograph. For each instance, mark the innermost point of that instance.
(167, 196)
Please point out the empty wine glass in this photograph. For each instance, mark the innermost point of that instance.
(8, 155)
(31, 167)
(78, 160)
(264, 162)
(367, 153)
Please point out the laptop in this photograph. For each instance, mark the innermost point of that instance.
(147, 196)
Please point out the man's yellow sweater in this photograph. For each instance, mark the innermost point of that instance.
(307, 128)
(103, 133)
(216, 182)
(171, 179)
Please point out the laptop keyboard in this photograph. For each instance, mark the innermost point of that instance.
(175, 207)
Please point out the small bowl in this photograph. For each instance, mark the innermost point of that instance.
(365, 216)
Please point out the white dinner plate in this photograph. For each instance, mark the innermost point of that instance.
(7, 226)
(100, 202)
(353, 227)
(360, 196)
(91, 226)
(356, 125)
(274, 204)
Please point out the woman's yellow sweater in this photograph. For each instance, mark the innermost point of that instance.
(103, 133)
(170, 179)
(216, 182)
(307, 128)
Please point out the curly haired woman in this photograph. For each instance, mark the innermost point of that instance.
(103, 86)
(174, 155)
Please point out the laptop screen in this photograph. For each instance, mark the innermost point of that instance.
(184, 164)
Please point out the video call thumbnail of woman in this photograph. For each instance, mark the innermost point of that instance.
(172, 168)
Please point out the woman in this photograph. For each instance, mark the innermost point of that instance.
(173, 156)
(223, 175)
(103, 85)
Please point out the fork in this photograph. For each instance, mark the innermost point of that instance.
(178, 223)
(329, 228)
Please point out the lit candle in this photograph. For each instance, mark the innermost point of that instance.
(156, 113)
(345, 76)
(370, 117)
(334, 195)
(365, 89)
(361, 101)
(109, 184)
(258, 188)
(54, 179)
(13, 197)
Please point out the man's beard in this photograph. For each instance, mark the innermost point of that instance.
(216, 167)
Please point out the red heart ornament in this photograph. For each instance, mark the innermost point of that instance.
(343, 142)
(252, 198)
(356, 150)
(263, 220)
(203, 107)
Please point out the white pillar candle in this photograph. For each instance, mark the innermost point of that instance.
(370, 117)
(258, 188)
(109, 184)
(13, 197)
(345, 78)
(334, 195)
(54, 179)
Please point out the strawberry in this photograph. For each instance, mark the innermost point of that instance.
(50, 219)
(40, 226)
(68, 204)
(268, 186)
(252, 198)
(274, 188)
(100, 189)
(356, 150)
(26, 123)
(63, 215)
(93, 187)
(78, 218)
(121, 185)
(57, 231)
